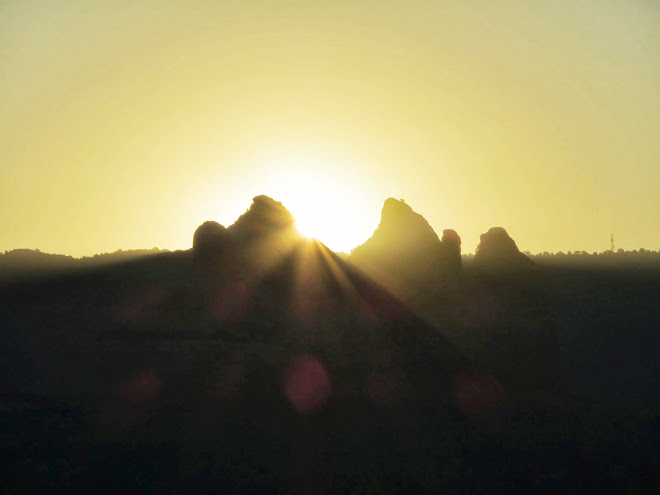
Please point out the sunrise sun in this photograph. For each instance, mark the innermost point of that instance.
(325, 206)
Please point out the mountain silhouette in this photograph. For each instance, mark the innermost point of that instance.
(293, 368)
(265, 217)
(478, 308)
(252, 244)
(261, 362)
(497, 252)
(405, 254)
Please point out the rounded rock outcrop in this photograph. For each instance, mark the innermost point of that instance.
(496, 247)
(209, 241)
(498, 251)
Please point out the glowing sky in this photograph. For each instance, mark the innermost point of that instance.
(127, 123)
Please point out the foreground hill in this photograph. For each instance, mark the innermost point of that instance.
(260, 362)
(272, 367)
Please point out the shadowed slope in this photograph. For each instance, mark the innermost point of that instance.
(315, 301)
(292, 372)
(298, 374)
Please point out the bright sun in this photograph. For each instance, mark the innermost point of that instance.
(325, 208)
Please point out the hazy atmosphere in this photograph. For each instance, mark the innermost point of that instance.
(126, 124)
(329, 247)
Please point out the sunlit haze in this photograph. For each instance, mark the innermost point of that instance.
(126, 124)
(327, 201)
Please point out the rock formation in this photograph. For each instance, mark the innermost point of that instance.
(265, 229)
(497, 252)
(262, 235)
(406, 255)
(209, 241)
(518, 338)
(264, 217)
(451, 252)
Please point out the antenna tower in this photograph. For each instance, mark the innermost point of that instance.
(612, 242)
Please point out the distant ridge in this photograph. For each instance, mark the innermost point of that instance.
(404, 253)
(19, 264)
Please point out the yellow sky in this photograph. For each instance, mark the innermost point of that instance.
(126, 124)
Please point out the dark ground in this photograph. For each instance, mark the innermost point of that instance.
(160, 376)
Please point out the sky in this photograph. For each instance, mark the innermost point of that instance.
(126, 124)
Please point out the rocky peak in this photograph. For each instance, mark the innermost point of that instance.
(497, 249)
(399, 224)
(406, 255)
(264, 217)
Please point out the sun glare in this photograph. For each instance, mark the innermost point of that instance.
(325, 207)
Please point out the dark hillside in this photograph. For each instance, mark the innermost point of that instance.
(262, 362)
(156, 373)
(609, 319)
